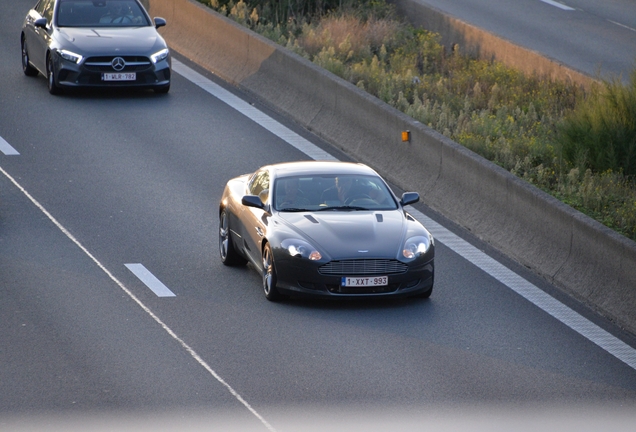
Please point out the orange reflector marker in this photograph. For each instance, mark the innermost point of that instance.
(406, 136)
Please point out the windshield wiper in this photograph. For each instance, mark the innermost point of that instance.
(294, 209)
(345, 207)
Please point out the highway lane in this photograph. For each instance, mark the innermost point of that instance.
(136, 178)
(594, 37)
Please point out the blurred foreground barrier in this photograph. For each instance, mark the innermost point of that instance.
(579, 255)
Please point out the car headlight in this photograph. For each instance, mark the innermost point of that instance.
(70, 56)
(160, 55)
(301, 249)
(416, 246)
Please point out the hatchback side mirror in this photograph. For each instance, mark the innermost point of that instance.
(159, 22)
(40, 22)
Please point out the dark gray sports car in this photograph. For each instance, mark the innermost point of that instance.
(95, 43)
(325, 229)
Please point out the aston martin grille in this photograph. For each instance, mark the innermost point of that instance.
(363, 267)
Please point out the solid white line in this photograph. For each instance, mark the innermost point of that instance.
(622, 25)
(6, 148)
(529, 291)
(155, 285)
(129, 293)
(532, 293)
(559, 5)
(252, 113)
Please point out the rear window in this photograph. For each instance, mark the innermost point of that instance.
(101, 13)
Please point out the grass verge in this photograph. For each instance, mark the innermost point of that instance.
(577, 146)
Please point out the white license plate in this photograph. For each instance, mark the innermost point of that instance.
(119, 76)
(365, 281)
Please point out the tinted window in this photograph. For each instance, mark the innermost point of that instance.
(326, 191)
(45, 9)
(101, 13)
(259, 183)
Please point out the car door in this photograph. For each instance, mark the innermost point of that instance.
(255, 220)
(37, 37)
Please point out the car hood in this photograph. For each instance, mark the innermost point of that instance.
(351, 234)
(106, 40)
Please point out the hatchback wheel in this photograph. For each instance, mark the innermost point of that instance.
(26, 63)
(54, 89)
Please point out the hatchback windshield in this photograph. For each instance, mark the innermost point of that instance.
(100, 13)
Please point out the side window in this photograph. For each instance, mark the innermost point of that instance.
(39, 8)
(259, 183)
(45, 9)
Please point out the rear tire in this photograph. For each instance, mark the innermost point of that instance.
(229, 255)
(269, 275)
(26, 63)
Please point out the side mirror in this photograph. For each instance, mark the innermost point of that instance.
(40, 22)
(409, 198)
(159, 22)
(253, 201)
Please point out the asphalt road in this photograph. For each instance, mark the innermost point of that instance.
(595, 37)
(108, 179)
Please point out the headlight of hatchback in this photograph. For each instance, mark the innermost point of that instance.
(70, 56)
(301, 249)
(160, 55)
(416, 246)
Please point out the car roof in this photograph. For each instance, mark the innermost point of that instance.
(319, 167)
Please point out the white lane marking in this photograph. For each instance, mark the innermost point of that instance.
(559, 5)
(150, 280)
(6, 148)
(622, 25)
(252, 113)
(531, 292)
(145, 308)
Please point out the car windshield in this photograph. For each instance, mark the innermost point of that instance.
(331, 192)
(101, 13)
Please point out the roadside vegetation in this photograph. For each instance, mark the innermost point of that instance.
(578, 145)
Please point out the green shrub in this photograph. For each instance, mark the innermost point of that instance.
(549, 133)
(600, 133)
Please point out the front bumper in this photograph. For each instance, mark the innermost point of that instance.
(149, 75)
(302, 277)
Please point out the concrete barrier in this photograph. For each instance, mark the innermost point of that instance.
(579, 255)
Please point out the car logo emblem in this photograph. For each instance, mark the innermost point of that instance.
(118, 64)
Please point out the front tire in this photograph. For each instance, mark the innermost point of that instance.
(54, 89)
(229, 255)
(26, 63)
(269, 275)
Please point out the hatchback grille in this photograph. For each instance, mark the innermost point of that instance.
(363, 267)
(104, 63)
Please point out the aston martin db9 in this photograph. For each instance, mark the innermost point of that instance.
(325, 229)
(95, 43)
